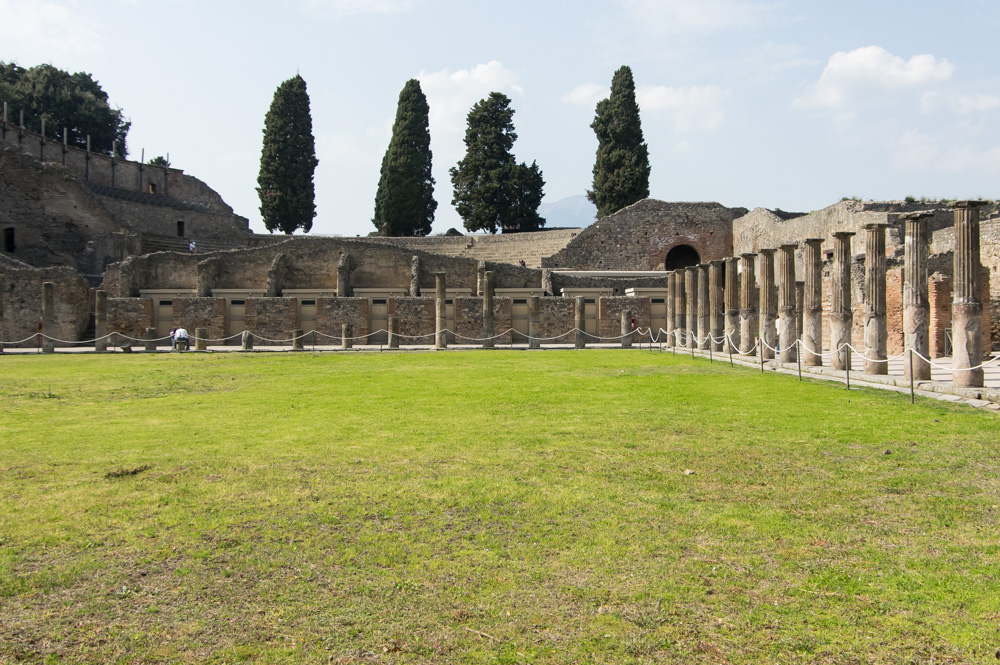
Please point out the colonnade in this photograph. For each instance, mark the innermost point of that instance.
(755, 314)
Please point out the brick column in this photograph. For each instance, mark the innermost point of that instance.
(841, 314)
(655, 334)
(580, 339)
(731, 302)
(100, 321)
(748, 304)
(626, 329)
(534, 323)
(812, 302)
(488, 326)
(393, 332)
(916, 301)
(691, 297)
(966, 300)
(48, 316)
(704, 307)
(768, 304)
(786, 303)
(876, 331)
(440, 311)
(716, 305)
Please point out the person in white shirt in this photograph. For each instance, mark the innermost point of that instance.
(179, 339)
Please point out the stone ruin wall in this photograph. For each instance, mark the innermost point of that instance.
(639, 236)
(21, 288)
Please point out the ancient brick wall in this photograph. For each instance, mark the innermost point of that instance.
(416, 317)
(272, 319)
(22, 301)
(640, 236)
(194, 313)
(555, 317)
(610, 313)
(129, 317)
(333, 313)
(469, 319)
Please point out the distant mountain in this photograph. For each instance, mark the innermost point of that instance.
(572, 212)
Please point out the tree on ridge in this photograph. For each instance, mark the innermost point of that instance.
(621, 168)
(404, 202)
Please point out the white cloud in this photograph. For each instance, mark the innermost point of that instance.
(685, 16)
(324, 8)
(697, 107)
(870, 76)
(451, 95)
(914, 150)
(586, 94)
(44, 31)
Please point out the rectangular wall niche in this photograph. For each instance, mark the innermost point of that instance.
(8, 240)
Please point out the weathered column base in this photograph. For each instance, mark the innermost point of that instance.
(786, 333)
(393, 332)
(626, 329)
(875, 340)
(200, 339)
(247, 340)
(840, 336)
(150, 344)
(346, 336)
(297, 337)
(967, 345)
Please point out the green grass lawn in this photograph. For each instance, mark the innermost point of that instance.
(487, 507)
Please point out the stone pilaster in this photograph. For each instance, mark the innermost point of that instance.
(100, 321)
(704, 307)
(346, 336)
(626, 329)
(876, 331)
(716, 306)
(534, 322)
(440, 311)
(344, 266)
(812, 302)
(966, 303)
(488, 327)
(786, 303)
(49, 317)
(916, 300)
(680, 307)
(731, 297)
(691, 297)
(580, 339)
(748, 304)
(656, 334)
(393, 332)
(841, 314)
(768, 299)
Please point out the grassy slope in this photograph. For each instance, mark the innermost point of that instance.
(486, 507)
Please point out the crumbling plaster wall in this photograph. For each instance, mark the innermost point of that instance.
(22, 301)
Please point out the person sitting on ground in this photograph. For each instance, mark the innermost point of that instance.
(179, 339)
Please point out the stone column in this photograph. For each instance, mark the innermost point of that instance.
(768, 299)
(48, 317)
(344, 277)
(680, 307)
(704, 307)
(488, 327)
(347, 336)
(581, 337)
(440, 311)
(691, 298)
(626, 329)
(876, 331)
(748, 304)
(966, 303)
(297, 336)
(800, 288)
(200, 339)
(534, 323)
(1, 281)
(150, 343)
(916, 303)
(716, 306)
(100, 321)
(812, 302)
(415, 276)
(786, 303)
(731, 296)
(247, 340)
(393, 332)
(669, 302)
(841, 314)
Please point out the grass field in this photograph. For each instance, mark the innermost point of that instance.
(487, 507)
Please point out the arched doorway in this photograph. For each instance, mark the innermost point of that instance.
(681, 256)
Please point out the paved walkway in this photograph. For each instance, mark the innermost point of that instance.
(939, 387)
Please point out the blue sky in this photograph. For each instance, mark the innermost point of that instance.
(775, 104)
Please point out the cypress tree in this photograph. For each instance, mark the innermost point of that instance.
(288, 161)
(404, 203)
(491, 190)
(621, 169)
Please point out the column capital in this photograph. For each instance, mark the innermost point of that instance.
(767, 251)
(717, 262)
(972, 203)
(913, 216)
(875, 226)
(843, 235)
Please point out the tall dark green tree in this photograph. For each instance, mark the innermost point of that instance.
(621, 170)
(404, 203)
(74, 101)
(491, 190)
(288, 161)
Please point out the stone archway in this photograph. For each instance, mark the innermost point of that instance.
(681, 256)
